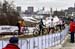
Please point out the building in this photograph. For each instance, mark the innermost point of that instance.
(70, 11)
(30, 10)
(51, 11)
(19, 9)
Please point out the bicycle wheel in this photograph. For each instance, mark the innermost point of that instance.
(35, 32)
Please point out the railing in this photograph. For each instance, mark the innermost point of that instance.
(62, 47)
(40, 42)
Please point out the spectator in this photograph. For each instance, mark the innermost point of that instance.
(60, 24)
(13, 43)
(72, 30)
(51, 28)
(63, 24)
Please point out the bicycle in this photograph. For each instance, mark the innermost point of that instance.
(38, 32)
(25, 30)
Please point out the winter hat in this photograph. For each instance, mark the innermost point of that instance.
(13, 40)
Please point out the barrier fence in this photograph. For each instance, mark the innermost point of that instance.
(40, 42)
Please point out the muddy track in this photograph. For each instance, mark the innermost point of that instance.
(7, 36)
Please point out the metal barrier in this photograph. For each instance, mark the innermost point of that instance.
(40, 42)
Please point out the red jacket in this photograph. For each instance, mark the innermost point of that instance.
(72, 26)
(11, 46)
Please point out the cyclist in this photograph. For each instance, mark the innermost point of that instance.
(41, 26)
(19, 26)
(22, 26)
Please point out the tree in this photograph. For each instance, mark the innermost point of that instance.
(8, 17)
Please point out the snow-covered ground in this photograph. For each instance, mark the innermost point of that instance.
(30, 19)
(40, 42)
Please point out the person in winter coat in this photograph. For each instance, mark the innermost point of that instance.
(51, 27)
(60, 24)
(13, 43)
(72, 30)
(63, 24)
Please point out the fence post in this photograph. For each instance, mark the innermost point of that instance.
(2, 42)
(38, 43)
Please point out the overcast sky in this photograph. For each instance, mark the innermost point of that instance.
(59, 4)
